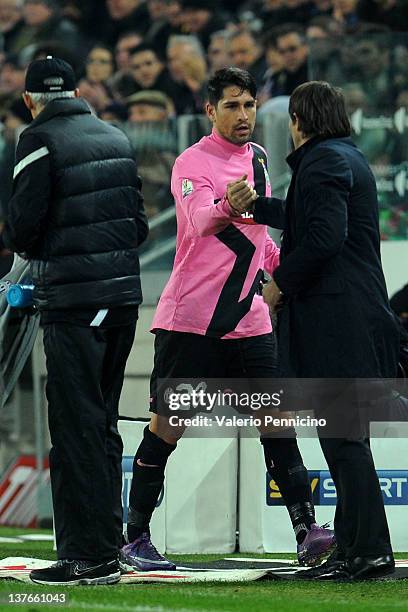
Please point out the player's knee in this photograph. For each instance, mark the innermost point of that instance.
(153, 451)
(160, 426)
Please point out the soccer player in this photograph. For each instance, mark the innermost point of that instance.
(210, 321)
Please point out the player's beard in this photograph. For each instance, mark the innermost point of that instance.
(235, 138)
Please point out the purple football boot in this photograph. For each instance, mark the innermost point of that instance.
(318, 544)
(142, 555)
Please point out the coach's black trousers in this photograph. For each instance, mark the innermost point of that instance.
(360, 522)
(85, 368)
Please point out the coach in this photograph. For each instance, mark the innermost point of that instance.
(77, 214)
(335, 320)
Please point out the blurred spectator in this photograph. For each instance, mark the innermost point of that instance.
(151, 134)
(393, 13)
(166, 25)
(115, 113)
(347, 70)
(292, 45)
(246, 52)
(157, 9)
(99, 68)
(14, 118)
(372, 60)
(145, 67)
(377, 142)
(11, 22)
(402, 99)
(400, 68)
(123, 16)
(12, 75)
(149, 72)
(345, 11)
(218, 51)
(324, 39)
(149, 106)
(43, 23)
(275, 65)
(202, 18)
(324, 26)
(322, 8)
(72, 9)
(126, 42)
(121, 83)
(279, 12)
(188, 69)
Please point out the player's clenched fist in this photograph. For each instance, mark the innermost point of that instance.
(241, 195)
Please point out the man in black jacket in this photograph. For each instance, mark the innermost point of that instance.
(335, 321)
(77, 214)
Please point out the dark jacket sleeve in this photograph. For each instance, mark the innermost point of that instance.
(270, 211)
(141, 219)
(27, 209)
(325, 185)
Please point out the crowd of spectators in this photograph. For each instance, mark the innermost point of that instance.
(143, 63)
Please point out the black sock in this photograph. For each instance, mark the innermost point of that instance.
(284, 463)
(148, 478)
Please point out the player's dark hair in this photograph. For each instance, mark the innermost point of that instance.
(227, 77)
(320, 109)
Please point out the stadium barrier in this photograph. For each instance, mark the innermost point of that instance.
(197, 512)
(264, 525)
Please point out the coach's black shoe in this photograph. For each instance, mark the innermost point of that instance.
(360, 568)
(76, 572)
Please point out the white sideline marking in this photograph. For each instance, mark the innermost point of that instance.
(36, 537)
(7, 540)
(251, 560)
(89, 606)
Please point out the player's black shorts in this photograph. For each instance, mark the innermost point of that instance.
(184, 355)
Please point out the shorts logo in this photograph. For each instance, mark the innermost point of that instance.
(393, 483)
(187, 187)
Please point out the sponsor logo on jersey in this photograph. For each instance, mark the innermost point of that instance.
(393, 483)
(187, 187)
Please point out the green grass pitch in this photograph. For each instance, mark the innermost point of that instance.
(233, 597)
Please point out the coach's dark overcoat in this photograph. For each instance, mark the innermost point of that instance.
(336, 321)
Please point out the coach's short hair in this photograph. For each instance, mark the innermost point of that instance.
(227, 77)
(320, 109)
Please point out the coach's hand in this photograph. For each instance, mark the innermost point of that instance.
(272, 296)
(241, 195)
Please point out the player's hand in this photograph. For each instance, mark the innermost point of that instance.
(241, 195)
(272, 296)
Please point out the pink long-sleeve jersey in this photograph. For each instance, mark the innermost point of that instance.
(219, 258)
